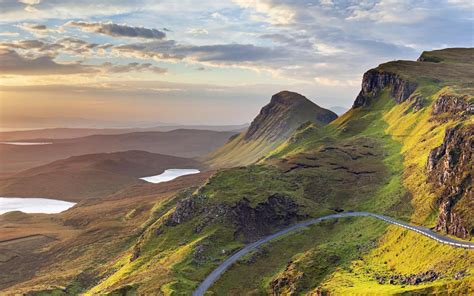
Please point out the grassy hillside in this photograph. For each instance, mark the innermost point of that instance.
(401, 151)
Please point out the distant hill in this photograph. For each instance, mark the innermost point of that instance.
(182, 143)
(90, 176)
(68, 133)
(275, 123)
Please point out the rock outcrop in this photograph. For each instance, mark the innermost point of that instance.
(254, 222)
(411, 279)
(374, 81)
(454, 106)
(450, 170)
(286, 283)
(186, 209)
(250, 222)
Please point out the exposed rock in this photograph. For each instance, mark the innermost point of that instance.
(411, 279)
(212, 214)
(457, 106)
(136, 253)
(279, 210)
(186, 209)
(286, 282)
(374, 81)
(418, 102)
(450, 169)
(460, 274)
(200, 253)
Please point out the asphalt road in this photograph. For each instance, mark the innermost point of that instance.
(216, 273)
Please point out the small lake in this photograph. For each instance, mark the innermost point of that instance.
(26, 143)
(169, 175)
(33, 205)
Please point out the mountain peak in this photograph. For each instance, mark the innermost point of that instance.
(286, 111)
(287, 98)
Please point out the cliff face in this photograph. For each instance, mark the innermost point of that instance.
(374, 81)
(456, 106)
(450, 169)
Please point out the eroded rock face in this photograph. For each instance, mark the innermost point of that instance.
(279, 210)
(455, 105)
(251, 222)
(450, 169)
(374, 81)
(186, 209)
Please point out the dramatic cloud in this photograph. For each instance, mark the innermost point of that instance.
(16, 64)
(117, 30)
(13, 63)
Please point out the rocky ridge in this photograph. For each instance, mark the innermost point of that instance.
(450, 170)
(375, 80)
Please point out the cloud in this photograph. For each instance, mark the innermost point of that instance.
(133, 67)
(230, 53)
(116, 30)
(13, 63)
(38, 29)
(197, 31)
(277, 12)
(16, 64)
(33, 47)
(10, 34)
(30, 2)
(389, 11)
(335, 82)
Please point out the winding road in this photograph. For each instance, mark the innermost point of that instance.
(216, 273)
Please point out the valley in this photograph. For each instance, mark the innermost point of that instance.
(180, 143)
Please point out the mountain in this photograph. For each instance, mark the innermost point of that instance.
(273, 125)
(181, 143)
(403, 150)
(90, 176)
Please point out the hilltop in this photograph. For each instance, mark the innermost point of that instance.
(273, 125)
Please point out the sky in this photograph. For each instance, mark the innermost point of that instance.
(143, 62)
